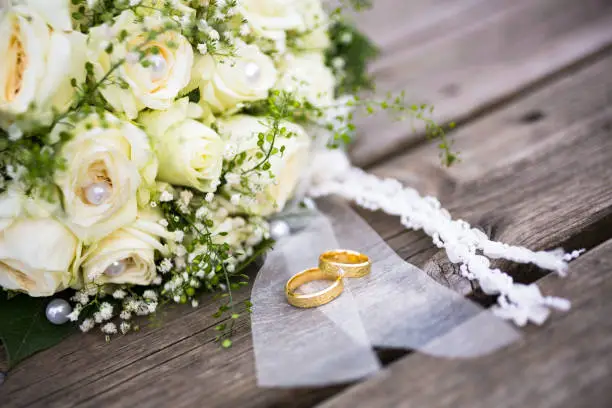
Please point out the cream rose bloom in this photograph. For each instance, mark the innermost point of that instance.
(155, 86)
(127, 256)
(36, 250)
(190, 153)
(110, 170)
(287, 167)
(307, 76)
(40, 55)
(316, 25)
(225, 83)
(271, 19)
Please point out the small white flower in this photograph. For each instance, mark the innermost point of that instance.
(245, 30)
(157, 280)
(194, 303)
(179, 236)
(166, 196)
(232, 179)
(201, 212)
(213, 34)
(338, 63)
(87, 325)
(150, 295)
(80, 297)
(235, 199)
(124, 327)
(74, 316)
(109, 328)
(180, 251)
(165, 265)
(186, 196)
(106, 311)
(125, 315)
(14, 132)
(152, 307)
(119, 294)
(163, 223)
(134, 3)
(202, 48)
(153, 204)
(209, 197)
(98, 317)
(346, 37)
(177, 299)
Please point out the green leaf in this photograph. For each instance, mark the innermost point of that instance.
(24, 328)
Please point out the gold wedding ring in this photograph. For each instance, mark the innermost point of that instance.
(345, 263)
(314, 299)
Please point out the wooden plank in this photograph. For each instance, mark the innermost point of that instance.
(566, 363)
(535, 173)
(496, 51)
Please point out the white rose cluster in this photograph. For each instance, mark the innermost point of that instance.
(162, 126)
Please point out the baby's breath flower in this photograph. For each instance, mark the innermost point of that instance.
(109, 328)
(209, 197)
(106, 311)
(119, 294)
(125, 315)
(165, 265)
(14, 132)
(86, 325)
(150, 295)
(124, 327)
(166, 196)
(202, 48)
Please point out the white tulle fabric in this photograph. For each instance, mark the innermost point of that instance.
(396, 306)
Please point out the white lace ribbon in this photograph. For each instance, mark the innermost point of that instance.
(469, 247)
(396, 306)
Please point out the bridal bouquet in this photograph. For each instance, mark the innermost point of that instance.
(144, 144)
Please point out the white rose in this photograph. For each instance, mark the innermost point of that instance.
(316, 25)
(155, 86)
(190, 153)
(286, 167)
(40, 56)
(307, 76)
(127, 255)
(36, 256)
(271, 19)
(226, 82)
(110, 169)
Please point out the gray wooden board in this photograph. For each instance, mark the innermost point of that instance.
(482, 55)
(544, 184)
(565, 363)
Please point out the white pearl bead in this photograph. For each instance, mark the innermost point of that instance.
(279, 229)
(97, 193)
(116, 268)
(252, 72)
(57, 311)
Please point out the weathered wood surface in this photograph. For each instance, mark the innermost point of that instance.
(536, 171)
(475, 58)
(566, 363)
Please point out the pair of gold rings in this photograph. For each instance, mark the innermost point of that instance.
(333, 266)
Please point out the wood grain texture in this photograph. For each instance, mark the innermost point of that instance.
(565, 363)
(494, 51)
(540, 179)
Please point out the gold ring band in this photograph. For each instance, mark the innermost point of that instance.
(345, 263)
(316, 298)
